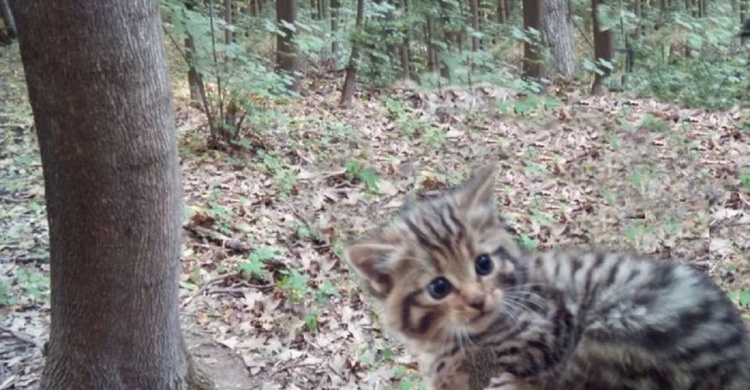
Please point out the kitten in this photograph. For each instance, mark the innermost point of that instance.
(479, 313)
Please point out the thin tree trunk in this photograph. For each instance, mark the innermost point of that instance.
(313, 9)
(602, 49)
(638, 11)
(474, 8)
(230, 116)
(432, 58)
(113, 192)
(335, 11)
(10, 23)
(745, 33)
(322, 11)
(229, 19)
(558, 34)
(286, 50)
(532, 18)
(193, 76)
(405, 44)
(350, 80)
(502, 11)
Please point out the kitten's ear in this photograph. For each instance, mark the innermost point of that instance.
(374, 262)
(476, 192)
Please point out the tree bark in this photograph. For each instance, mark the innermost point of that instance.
(335, 8)
(350, 80)
(7, 15)
(745, 33)
(103, 114)
(194, 78)
(638, 11)
(474, 9)
(502, 11)
(432, 57)
(313, 9)
(532, 18)
(286, 50)
(558, 34)
(403, 50)
(322, 9)
(602, 49)
(192, 75)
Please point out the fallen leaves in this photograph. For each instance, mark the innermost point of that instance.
(262, 277)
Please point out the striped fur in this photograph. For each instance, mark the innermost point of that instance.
(565, 319)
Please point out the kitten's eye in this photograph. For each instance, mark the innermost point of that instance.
(483, 265)
(439, 288)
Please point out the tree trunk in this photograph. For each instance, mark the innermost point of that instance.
(350, 80)
(502, 11)
(532, 18)
(745, 33)
(335, 12)
(229, 19)
(403, 50)
(322, 9)
(313, 9)
(474, 9)
(638, 11)
(558, 34)
(10, 23)
(193, 75)
(103, 114)
(230, 115)
(286, 50)
(432, 57)
(602, 50)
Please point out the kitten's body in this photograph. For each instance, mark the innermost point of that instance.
(473, 307)
(611, 321)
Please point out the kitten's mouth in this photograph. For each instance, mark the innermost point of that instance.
(479, 317)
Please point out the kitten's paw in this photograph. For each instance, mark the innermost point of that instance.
(507, 381)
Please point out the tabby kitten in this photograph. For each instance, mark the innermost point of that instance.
(479, 313)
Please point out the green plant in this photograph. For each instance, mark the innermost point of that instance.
(311, 321)
(32, 282)
(745, 180)
(527, 243)
(325, 291)
(294, 283)
(285, 178)
(255, 264)
(5, 298)
(364, 174)
(655, 125)
(435, 137)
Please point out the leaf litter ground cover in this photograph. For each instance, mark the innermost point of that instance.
(266, 300)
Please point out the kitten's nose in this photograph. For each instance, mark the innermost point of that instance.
(477, 301)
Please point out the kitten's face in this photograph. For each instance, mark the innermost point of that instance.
(442, 268)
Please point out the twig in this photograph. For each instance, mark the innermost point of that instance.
(225, 241)
(206, 286)
(291, 366)
(22, 337)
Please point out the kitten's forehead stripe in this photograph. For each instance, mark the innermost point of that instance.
(425, 243)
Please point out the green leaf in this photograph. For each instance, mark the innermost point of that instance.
(744, 299)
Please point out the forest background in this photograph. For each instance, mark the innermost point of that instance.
(302, 124)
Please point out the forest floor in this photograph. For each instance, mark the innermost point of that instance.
(267, 301)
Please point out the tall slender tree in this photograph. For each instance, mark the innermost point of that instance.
(558, 34)
(603, 49)
(7, 15)
(100, 94)
(532, 19)
(350, 80)
(286, 49)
